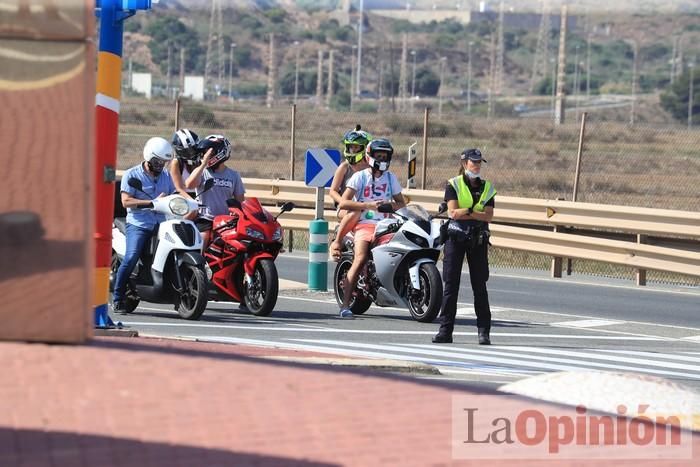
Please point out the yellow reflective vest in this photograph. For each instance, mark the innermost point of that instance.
(464, 196)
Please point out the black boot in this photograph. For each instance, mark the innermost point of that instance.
(484, 338)
(442, 337)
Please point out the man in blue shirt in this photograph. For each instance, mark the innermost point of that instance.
(141, 224)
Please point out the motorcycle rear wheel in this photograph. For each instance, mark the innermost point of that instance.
(358, 304)
(424, 304)
(194, 301)
(261, 297)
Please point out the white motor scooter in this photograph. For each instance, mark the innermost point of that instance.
(171, 268)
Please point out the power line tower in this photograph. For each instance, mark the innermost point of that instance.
(402, 73)
(500, 50)
(213, 65)
(541, 61)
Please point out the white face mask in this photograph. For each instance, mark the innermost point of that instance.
(471, 174)
(383, 166)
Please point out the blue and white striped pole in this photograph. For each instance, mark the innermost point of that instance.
(318, 247)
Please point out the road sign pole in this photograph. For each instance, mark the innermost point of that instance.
(320, 167)
(318, 247)
(411, 179)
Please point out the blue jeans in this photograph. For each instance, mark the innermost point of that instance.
(136, 239)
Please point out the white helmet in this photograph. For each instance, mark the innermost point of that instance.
(159, 148)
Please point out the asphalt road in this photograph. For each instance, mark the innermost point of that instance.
(540, 325)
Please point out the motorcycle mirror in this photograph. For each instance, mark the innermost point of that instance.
(442, 208)
(233, 203)
(208, 184)
(288, 206)
(135, 183)
(385, 208)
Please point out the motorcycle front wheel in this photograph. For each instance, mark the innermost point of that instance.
(193, 301)
(358, 304)
(424, 304)
(260, 297)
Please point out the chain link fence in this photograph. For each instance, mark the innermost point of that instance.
(640, 165)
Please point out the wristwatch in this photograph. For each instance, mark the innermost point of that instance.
(470, 211)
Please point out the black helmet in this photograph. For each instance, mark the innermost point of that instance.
(376, 146)
(184, 143)
(221, 149)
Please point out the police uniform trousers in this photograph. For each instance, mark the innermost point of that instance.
(453, 259)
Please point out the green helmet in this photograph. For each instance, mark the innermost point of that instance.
(356, 136)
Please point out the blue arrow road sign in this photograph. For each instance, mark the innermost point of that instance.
(320, 166)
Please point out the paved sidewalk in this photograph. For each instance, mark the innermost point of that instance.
(152, 402)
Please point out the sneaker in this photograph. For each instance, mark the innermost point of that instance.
(345, 313)
(119, 307)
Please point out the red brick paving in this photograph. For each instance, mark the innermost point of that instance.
(150, 402)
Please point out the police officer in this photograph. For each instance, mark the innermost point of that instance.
(470, 204)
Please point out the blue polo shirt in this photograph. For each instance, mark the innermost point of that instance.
(145, 218)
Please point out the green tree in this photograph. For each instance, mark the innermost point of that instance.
(427, 82)
(166, 29)
(675, 99)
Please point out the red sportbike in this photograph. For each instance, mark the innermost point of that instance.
(241, 255)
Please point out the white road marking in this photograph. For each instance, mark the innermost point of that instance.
(495, 356)
(587, 323)
(678, 357)
(692, 338)
(378, 331)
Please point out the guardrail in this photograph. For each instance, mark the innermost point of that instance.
(579, 230)
(533, 215)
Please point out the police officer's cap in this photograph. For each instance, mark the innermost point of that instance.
(472, 155)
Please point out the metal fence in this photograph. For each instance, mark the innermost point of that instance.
(640, 165)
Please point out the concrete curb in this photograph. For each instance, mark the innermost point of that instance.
(394, 366)
(116, 332)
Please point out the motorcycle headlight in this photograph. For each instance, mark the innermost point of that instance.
(417, 239)
(252, 233)
(277, 235)
(178, 206)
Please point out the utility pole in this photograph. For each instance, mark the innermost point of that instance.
(329, 91)
(588, 67)
(352, 79)
(182, 69)
(635, 53)
(492, 72)
(319, 79)
(403, 82)
(553, 64)
(469, 77)
(271, 74)
(391, 77)
(413, 81)
(560, 105)
(539, 64)
(441, 89)
(500, 52)
(167, 79)
(380, 79)
(214, 51)
(691, 65)
(359, 47)
(576, 83)
(230, 71)
(296, 72)
(674, 58)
